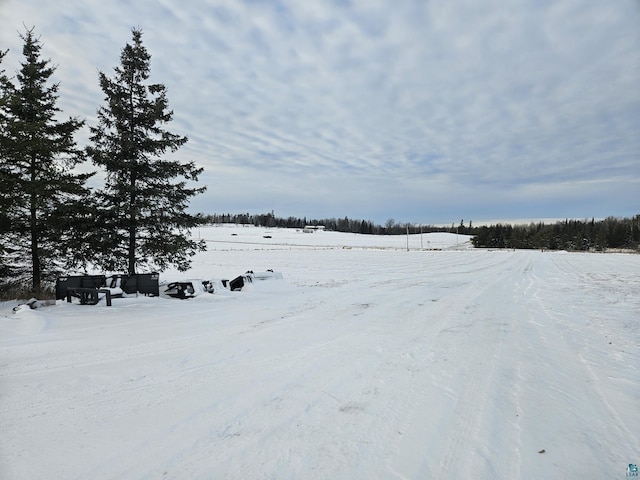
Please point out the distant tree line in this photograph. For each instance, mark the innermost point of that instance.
(571, 235)
(348, 225)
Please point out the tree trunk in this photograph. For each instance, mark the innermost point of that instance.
(132, 226)
(132, 250)
(33, 228)
(35, 256)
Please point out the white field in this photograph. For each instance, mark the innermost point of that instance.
(363, 363)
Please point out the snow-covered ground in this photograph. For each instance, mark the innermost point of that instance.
(367, 361)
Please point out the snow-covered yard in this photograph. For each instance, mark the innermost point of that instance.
(367, 361)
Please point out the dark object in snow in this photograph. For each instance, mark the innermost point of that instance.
(145, 283)
(190, 288)
(542, 451)
(239, 282)
(89, 287)
(193, 288)
(32, 304)
(209, 286)
(181, 290)
(77, 281)
(89, 296)
(249, 276)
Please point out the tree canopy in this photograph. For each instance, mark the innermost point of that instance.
(142, 214)
(37, 156)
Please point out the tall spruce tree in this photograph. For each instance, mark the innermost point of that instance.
(37, 157)
(5, 183)
(142, 219)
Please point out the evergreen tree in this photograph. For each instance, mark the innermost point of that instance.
(4, 121)
(5, 183)
(37, 155)
(142, 217)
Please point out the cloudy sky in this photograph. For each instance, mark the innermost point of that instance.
(418, 110)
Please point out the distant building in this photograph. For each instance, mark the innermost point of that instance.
(312, 228)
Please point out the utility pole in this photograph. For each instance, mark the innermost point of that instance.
(407, 237)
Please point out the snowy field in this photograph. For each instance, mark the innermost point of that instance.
(367, 361)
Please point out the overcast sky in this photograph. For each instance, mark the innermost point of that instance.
(426, 111)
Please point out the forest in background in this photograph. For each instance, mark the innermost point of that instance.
(570, 235)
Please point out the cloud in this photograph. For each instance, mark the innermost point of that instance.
(362, 107)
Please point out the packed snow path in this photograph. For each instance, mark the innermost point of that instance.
(361, 364)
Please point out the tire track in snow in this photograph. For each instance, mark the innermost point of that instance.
(461, 456)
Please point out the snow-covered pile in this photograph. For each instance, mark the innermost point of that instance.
(363, 362)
